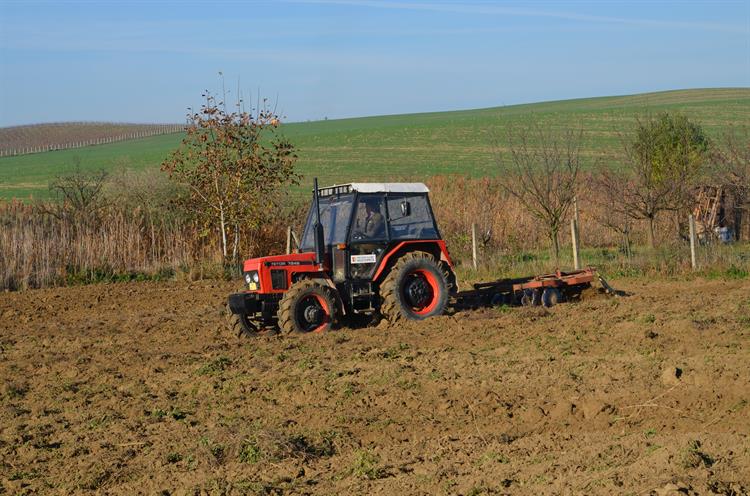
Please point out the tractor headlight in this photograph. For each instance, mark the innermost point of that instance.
(252, 278)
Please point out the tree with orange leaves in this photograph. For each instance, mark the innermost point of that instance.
(235, 166)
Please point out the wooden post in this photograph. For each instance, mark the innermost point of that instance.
(289, 240)
(474, 245)
(693, 261)
(574, 238)
(295, 239)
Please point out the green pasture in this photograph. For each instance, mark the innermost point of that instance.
(408, 146)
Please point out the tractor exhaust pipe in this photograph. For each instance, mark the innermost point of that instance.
(319, 239)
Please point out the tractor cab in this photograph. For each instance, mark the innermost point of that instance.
(366, 248)
(362, 220)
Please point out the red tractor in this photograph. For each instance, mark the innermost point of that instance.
(367, 249)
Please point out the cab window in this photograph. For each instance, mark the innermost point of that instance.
(369, 221)
(410, 217)
(335, 212)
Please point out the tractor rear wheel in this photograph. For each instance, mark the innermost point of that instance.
(415, 288)
(308, 306)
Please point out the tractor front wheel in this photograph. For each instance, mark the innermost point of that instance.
(253, 329)
(415, 288)
(308, 306)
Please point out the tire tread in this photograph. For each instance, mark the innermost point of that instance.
(285, 312)
(390, 306)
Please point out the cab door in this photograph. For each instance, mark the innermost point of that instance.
(368, 235)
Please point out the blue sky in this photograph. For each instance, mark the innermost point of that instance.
(149, 61)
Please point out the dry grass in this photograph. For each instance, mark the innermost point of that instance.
(39, 250)
(141, 238)
(511, 242)
(504, 226)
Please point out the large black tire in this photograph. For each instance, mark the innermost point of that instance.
(531, 298)
(308, 306)
(414, 289)
(551, 297)
(450, 278)
(252, 329)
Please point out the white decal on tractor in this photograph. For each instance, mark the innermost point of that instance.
(364, 259)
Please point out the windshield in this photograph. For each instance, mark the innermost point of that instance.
(335, 212)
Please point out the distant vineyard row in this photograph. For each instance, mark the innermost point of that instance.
(20, 140)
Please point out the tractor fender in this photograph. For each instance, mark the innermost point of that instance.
(436, 248)
(322, 278)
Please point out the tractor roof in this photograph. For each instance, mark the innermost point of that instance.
(375, 188)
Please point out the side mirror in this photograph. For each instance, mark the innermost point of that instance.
(405, 208)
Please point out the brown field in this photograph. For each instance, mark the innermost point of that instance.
(141, 388)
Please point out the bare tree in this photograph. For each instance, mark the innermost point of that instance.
(733, 153)
(542, 173)
(637, 197)
(78, 195)
(612, 212)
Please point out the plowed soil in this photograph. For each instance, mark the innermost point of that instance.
(142, 389)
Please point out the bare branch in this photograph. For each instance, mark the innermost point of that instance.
(541, 170)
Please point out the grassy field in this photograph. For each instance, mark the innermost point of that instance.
(409, 146)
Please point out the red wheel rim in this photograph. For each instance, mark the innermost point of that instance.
(434, 287)
(320, 302)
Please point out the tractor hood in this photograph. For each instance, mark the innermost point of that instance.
(276, 274)
(293, 259)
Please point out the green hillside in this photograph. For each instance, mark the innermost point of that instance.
(409, 146)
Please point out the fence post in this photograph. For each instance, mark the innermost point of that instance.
(295, 239)
(289, 240)
(574, 237)
(474, 245)
(693, 261)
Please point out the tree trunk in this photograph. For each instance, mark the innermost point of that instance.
(651, 237)
(223, 234)
(626, 234)
(741, 210)
(236, 250)
(553, 234)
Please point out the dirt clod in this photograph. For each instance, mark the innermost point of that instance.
(671, 375)
(674, 489)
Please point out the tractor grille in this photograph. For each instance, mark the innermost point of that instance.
(278, 279)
